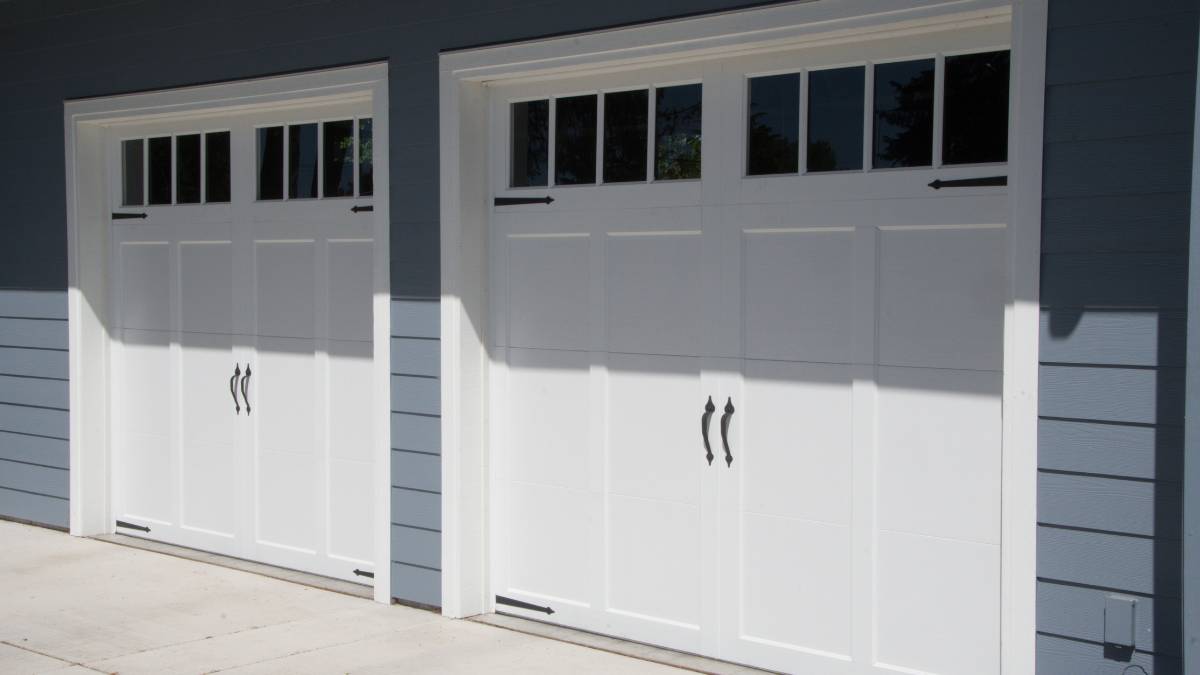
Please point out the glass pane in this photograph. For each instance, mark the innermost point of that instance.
(366, 167)
(302, 161)
(160, 170)
(626, 116)
(131, 173)
(976, 128)
(339, 158)
(575, 140)
(677, 116)
(835, 119)
(270, 163)
(774, 125)
(187, 169)
(216, 166)
(530, 143)
(903, 114)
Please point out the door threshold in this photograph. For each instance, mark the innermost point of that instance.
(261, 569)
(605, 643)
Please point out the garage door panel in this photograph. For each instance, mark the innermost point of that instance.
(938, 604)
(285, 277)
(206, 286)
(351, 508)
(549, 425)
(796, 580)
(283, 396)
(653, 562)
(350, 265)
(287, 509)
(551, 553)
(799, 293)
(145, 272)
(145, 461)
(549, 286)
(939, 444)
(654, 405)
(145, 386)
(941, 296)
(655, 292)
(351, 401)
(207, 427)
(796, 456)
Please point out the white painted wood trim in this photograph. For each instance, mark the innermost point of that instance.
(464, 209)
(88, 276)
(1191, 465)
(1018, 534)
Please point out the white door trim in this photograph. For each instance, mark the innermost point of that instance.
(465, 197)
(89, 276)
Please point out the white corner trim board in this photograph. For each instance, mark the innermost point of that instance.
(468, 175)
(94, 326)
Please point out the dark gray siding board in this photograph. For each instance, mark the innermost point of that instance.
(37, 421)
(417, 433)
(1142, 452)
(416, 318)
(1118, 337)
(35, 391)
(411, 356)
(24, 304)
(43, 333)
(1117, 176)
(1114, 394)
(416, 546)
(420, 395)
(1075, 612)
(1115, 505)
(416, 584)
(416, 508)
(33, 362)
(417, 471)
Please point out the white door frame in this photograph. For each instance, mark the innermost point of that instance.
(89, 278)
(465, 205)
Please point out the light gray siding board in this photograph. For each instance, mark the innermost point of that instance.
(416, 357)
(415, 508)
(416, 318)
(1115, 224)
(416, 547)
(1113, 504)
(1124, 563)
(417, 584)
(419, 433)
(1132, 395)
(33, 304)
(41, 333)
(1142, 47)
(33, 362)
(1061, 656)
(39, 421)
(1110, 449)
(43, 480)
(35, 508)
(34, 391)
(1103, 280)
(1076, 612)
(416, 471)
(1124, 338)
(422, 395)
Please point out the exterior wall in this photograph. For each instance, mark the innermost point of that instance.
(1119, 120)
(61, 49)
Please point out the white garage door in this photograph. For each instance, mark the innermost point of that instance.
(747, 368)
(242, 346)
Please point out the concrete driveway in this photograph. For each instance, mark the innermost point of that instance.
(70, 605)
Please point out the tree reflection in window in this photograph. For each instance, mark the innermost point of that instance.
(774, 125)
(903, 114)
(677, 139)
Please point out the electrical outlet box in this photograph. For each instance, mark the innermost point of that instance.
(1120, 614)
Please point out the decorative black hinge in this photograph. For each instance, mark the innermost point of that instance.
(517, 201)
(989, 181)
(131, 526)
(127, 216)
(360, 209)
(501, 600)
(364, 573)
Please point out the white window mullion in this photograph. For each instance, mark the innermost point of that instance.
(939, 97)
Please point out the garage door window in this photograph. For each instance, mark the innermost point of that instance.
(322, 160)
(976, 109)
(903, 133)
(835, 105)
(678, 112)
(625, 135)
(774, 125)
(183, 169)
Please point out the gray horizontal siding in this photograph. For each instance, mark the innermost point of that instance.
(1117, 175)
(416, 510)
(34, 399)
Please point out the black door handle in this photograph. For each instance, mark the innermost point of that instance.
(245, 386)
(237, 372)
(725, 430)
(709, 409)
